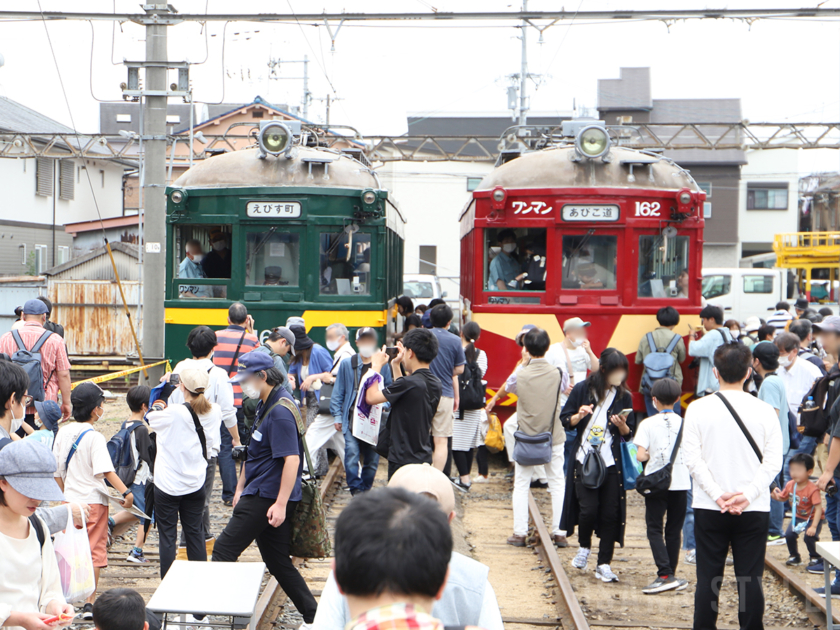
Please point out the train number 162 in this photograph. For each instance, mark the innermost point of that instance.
(647, 208)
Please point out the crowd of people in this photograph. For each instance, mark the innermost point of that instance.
(763, 413)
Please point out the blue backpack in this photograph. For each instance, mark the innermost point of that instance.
(658, 363)
(119, 448)
(30, 361)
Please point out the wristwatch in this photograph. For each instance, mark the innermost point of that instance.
(126, 493)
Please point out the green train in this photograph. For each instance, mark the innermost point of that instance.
(288, 229)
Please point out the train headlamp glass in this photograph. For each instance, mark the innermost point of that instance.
(177, 196)
(592, 142)
(498, 195)
(275, 138)
(369, 197)
(685, 198)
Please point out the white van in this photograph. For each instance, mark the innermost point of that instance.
(745, 292)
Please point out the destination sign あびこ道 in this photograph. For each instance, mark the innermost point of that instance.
(571, 212)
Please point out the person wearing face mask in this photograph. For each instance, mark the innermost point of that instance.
(279, 344)
(734, 329)
(504, 268)
(216, 264)
(191, 267)
(83, 465)
(596, 408)
(360, 458)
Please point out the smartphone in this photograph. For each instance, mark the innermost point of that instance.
(392, 352)
(175, 379)
(625, 412)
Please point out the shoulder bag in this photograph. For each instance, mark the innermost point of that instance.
(310, 538)
(535, 450)
(773, 484)
(325, 393)
(659, 481)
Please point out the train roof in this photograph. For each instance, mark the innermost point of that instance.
(553, 167)
(244, 169)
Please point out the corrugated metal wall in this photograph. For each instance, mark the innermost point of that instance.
(99, 268)
(92, 314)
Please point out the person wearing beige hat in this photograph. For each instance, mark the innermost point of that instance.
(751, 327)
(186, 435)
(468, 598)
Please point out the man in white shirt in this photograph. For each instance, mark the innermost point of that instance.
(731, 487)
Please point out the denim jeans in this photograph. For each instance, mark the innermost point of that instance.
(832, 514)
(354, 451)
(777, 512)
(227, 467)
(688, 527)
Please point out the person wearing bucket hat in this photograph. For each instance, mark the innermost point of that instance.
(49, 413)
(30, 584)
(187, 435)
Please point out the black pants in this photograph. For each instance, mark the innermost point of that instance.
(209, 479)
(447, 467)
(599, 509)
(810, 541)
(392, 468)
(463, 461)
(482, 458)
(747, 535)
(665, 544)
(250, 522)
(190, 507)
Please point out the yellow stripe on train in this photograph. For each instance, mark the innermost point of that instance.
(314, 319)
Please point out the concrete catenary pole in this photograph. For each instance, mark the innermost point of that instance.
(523, 73)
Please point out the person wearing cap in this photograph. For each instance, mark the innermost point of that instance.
(83, 466)
(360, 458)
(751, 327)
(279, 344)
(216, 264)
(273, 277)
(50, 325)
(269, 487)
(704, 348)
(30, 583)
(468, 598)
(663, 335)
(800, 306)
(234, 341)
(55, 365)
(187, 435)
(771, 389)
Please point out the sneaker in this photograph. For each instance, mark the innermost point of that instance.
(582, 557)
(87, 612)
(816, 566)
(681, 585)
(661, 584)
(136, 555)
(773, 540)
(820, 590)
(460, 485)
(481, 479)
(604, 573)
(794, 561)
(227, 502)
(691, 556)
(536, 483)
(306, 626)
(560, 541)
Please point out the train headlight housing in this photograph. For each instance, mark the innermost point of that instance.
(685, 201)
(684, 198)
(592, 142)
(497, 198)
(275, 138)
(177, 196)
(370, 201)
(368, 197)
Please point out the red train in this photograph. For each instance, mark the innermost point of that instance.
(601, 232)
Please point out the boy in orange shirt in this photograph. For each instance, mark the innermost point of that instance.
(807, 515)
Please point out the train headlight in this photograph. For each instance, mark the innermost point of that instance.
(369, 197)
(275, 138)
(592, 142)
(177, 196)
(497, 198)
(684, 198)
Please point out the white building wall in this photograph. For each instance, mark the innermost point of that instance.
(765, 167)
(431, 196)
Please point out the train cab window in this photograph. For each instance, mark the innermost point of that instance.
(589, 262)
(272, 258)
(515, 259)
(192, 260)
(344, 259)
(662, 265)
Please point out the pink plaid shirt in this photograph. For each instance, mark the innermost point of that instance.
(395, 617)
(53, 354)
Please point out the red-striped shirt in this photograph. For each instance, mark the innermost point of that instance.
(224, 352)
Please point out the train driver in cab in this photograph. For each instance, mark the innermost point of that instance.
(190, 267)
(504, 268)
(216, 264)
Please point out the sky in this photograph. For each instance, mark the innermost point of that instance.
(782, 70)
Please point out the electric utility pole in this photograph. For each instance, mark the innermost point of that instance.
(523, 72)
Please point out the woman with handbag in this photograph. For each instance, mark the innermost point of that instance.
(601, 408)
(467, 440)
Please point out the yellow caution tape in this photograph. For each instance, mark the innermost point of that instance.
(109, 377)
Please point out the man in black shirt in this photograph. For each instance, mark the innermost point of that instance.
(216, 263)
(414, 399)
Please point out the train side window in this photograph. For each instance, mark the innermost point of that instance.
(272, 258)
(344, 259)
(193, 244)
(662, 262)
(715, 286)
(589, 262)
(515, 259)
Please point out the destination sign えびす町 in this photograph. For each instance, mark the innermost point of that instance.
(273, 209)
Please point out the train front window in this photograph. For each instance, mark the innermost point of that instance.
(197, 260)
(663, 265)
(272, 258)
(589, 262)
(515, 259)
(344, 259)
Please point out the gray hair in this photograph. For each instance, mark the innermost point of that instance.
(341, 329)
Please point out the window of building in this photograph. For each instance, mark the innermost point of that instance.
(66, 185)
(767, 196)
(272, 258)
(22, 250)
(345, 265)
(662, 262)
(715, 286)
(589, 262)
(123, 118)
(758, 284)
(473, 183)
(515, 259)
(428, 259)
(102, 175)
(257, 113)
(62, 254)
(41, 260)
(173, 120)
(706, 187)
(44, 176)
(707, 209)
(203, 262)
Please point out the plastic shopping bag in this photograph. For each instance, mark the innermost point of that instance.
(630, 466)
(75, 565)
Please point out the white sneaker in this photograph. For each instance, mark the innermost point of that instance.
(691, 556)
(306, 626)
(582, 557)
(480, 479)
(604, 573)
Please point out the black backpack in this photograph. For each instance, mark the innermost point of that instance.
(814, 422)
(471, 387)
